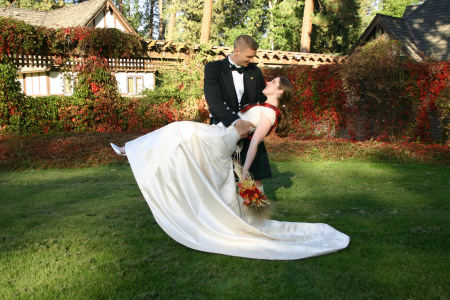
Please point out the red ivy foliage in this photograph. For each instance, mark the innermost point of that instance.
(98, 104)
(318, 107)
(376, 94)
(20, 38)
(322, 107)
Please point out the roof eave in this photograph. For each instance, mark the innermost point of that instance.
(376, 21)
(372, 26)
(109, 5)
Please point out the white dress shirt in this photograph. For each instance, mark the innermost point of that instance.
(238, 80)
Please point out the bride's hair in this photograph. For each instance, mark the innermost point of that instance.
(284, 124)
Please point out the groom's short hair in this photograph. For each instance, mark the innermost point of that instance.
(245, 41)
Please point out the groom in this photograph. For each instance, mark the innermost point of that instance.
(229, 85)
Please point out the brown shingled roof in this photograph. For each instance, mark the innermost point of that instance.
(73, 15)
(33, 17)
(70, 16)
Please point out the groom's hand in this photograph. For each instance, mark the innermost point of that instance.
(243, 127)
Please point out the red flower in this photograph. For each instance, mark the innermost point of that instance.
(94, 88)
(253, 197)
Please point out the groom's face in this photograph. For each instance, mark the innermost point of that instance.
(244, 56)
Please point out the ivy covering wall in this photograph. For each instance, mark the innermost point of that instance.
(376, 93)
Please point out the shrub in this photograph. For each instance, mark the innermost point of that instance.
(429, 83)
(182, 86)
(97, 102)
(11, 96)
(375, 80)
(41, 114)
(377, 93)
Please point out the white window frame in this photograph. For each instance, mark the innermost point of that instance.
(137, 90)
(69, 79)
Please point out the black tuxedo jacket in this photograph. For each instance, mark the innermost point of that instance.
(220, 92)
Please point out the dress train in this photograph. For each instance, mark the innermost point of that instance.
(185, 173)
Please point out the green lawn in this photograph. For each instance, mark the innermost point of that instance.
(88, 234)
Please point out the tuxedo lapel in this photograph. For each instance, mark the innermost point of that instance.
(229, 84)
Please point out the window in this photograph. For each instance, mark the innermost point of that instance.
(69, 82)
(135, 84)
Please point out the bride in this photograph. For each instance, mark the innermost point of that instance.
(185, 172)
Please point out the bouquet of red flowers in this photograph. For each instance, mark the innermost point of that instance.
(252, 196)
(254, 199)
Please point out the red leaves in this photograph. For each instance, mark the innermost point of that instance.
(18, 37)
(321, 107)
(94, 88)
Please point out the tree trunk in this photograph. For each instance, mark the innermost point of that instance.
(206, 21)
(120, 6)
(305, 44)
(271, 24)
(161, 21)
(171, 27)
(152, 15)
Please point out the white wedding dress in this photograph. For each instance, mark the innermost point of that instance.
(185, 173)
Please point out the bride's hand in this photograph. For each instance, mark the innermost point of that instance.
(243, 127)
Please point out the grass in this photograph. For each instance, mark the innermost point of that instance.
(88, 234)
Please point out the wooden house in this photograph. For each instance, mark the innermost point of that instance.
(40, 78)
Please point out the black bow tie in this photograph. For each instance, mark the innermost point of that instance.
(240, 70)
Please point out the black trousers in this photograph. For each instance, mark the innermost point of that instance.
(260, 167)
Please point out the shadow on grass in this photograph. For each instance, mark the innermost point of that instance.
(395, 215)
(281, 179)
(89, 233)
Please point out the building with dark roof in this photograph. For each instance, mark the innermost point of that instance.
(424, 30)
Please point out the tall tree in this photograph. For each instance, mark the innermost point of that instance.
(366, 12)
(285, 31)
(233, 18)
(161, 20)
(188, 21)
(307, 26)
(172, 16)
(206, 21)
(336, 26)
(148, 21)
(396, 8)
(270, 31)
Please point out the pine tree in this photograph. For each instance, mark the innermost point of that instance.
(161, 20)
(148, 18)
(336, 26)
(172, 16)
(396, 8)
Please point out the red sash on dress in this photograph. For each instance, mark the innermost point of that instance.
(277, 114)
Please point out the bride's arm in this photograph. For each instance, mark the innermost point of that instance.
(259, 134)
